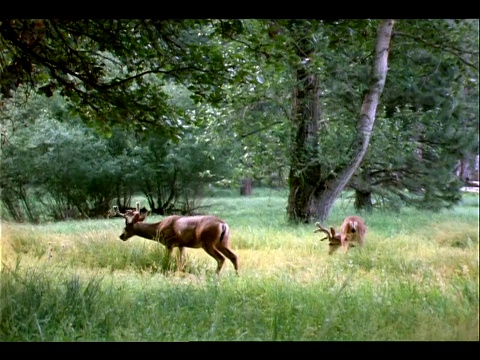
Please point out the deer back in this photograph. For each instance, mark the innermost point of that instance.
(193, 231)
(353, 230)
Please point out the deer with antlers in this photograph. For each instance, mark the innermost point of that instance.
(352, 233)
(116, 211)
(201, 231)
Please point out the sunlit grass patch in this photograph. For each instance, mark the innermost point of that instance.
(408, 282)
(460, 234)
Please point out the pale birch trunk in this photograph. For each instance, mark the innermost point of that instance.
(365, 122)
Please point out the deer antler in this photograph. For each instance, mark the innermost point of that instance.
(117, 212)
(137, 215)
(334, 239)
(330, 233)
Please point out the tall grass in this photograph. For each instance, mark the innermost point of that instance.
(415, 279)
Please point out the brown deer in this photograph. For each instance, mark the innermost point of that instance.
(117, 212)
(352, 232)
(205, 231)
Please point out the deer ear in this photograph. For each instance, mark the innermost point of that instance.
(137, 217)
(332, 231)
(131, 217)
(143, 214)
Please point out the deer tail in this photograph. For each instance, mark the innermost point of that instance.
(224, 232)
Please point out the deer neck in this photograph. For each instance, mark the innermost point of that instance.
(147, 231)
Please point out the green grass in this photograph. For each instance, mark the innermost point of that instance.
(415, 279)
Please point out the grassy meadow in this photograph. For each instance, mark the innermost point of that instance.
(417, 279)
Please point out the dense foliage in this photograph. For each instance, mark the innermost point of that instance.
(113, 70)
(174, 106)
(57, 168)
(429, 120)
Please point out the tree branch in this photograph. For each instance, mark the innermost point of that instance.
(452, 50)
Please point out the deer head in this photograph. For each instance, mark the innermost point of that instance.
(334, 239)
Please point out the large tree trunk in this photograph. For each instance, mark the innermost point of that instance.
(311, 195)
(304, 170)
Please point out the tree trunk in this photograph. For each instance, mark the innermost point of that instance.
(361, 182)
(363, 200)
(304, 167)
(311, 195)
(366, 120)
(246, 187)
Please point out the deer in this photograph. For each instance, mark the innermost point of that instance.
(115, 211)
(208, 232)
(352, 233)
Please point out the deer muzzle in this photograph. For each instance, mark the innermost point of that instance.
(123, 236)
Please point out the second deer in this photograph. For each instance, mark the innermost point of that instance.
(352, 233)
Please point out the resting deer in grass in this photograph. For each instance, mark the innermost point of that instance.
(116, 211)
(352, 233)
(205, 231)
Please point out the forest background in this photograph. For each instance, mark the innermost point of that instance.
(96, 111)
(271, 124)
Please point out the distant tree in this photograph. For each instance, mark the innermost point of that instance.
(174, 176)
(55, 170)
(59, 168)
(430, 117)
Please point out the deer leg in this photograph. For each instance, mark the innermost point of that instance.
(217, 255)
(181, 257)
(230, 255)
(169, 254)
(344, 243)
